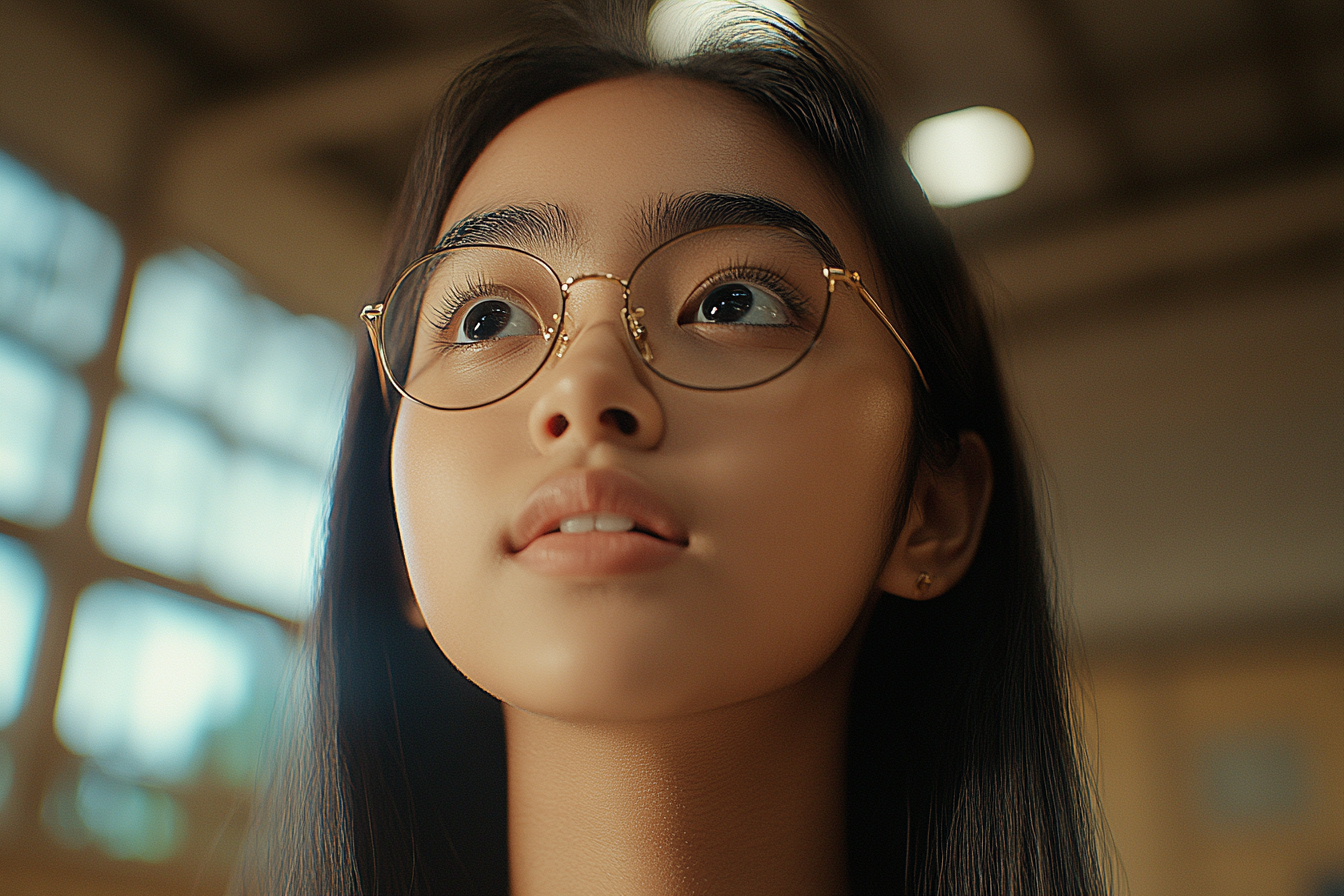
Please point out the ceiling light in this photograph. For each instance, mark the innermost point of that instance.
(969, 155)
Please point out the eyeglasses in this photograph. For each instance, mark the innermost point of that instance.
(722, 308)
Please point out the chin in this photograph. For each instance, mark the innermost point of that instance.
(606, 690)
(634, 686)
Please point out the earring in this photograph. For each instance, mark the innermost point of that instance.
(923, 581)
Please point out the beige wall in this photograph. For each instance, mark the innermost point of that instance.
(1158, 712)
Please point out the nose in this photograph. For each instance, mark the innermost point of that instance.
(598, 391)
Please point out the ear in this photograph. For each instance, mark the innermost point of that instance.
(942, 529)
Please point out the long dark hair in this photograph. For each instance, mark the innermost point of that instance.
(964, 769)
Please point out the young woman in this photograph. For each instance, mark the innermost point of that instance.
(680, 542)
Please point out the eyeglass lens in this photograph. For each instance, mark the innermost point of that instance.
(721, 308)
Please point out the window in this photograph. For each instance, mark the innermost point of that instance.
(213, 462)
(201, 482)
(60, 265)
(23, 595)
(158, 691)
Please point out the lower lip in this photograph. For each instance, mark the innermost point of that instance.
(597, 554)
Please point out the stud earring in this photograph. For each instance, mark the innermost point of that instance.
(923, 581)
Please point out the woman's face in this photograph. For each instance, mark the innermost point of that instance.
(769, 510)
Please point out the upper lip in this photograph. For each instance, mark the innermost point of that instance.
(593, 491)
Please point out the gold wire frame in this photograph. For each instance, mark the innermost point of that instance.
(372, 315)
(833, 275)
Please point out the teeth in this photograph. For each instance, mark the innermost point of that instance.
(613, 522)
(602, 522)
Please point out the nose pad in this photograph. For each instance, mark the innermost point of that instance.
(562, 340)
(638, 332)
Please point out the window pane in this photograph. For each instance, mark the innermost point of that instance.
(183, 329)
(170, 497)
(124, 819)
(158, 686)
(195, 336)
(44, 419)
(23, 594)
(157, 472)
(264, 534)
(289, 392)
(60, 264)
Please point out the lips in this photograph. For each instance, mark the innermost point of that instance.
(594, 492)
(536, 539)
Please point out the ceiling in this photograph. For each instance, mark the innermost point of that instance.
(1123, 99)
(1169, 282)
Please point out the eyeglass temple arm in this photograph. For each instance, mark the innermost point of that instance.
(372, 316)
(852, 277)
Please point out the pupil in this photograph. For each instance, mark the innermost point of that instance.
(486, 320)
(727, 304)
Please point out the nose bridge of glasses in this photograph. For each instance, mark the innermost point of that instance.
(575, 302)
(568, 284)
(569, 328)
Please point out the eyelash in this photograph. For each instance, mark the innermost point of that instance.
(443, 314)
(767, 279)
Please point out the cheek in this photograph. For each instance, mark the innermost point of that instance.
(446, 484)
(805, 484)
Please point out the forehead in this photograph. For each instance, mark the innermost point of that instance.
(604, 152)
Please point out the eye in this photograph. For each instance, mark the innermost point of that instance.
(494, 318)
(741, 303)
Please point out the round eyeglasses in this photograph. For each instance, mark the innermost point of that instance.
(722, 308)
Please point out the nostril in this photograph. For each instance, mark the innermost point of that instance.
(622, 420)
(557, 425)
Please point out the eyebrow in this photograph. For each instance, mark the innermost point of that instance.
(546, 225)
(543, 225)
(669, 217)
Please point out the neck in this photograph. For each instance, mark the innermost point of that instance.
(744, 799)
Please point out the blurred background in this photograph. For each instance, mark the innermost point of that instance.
(192, 198)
